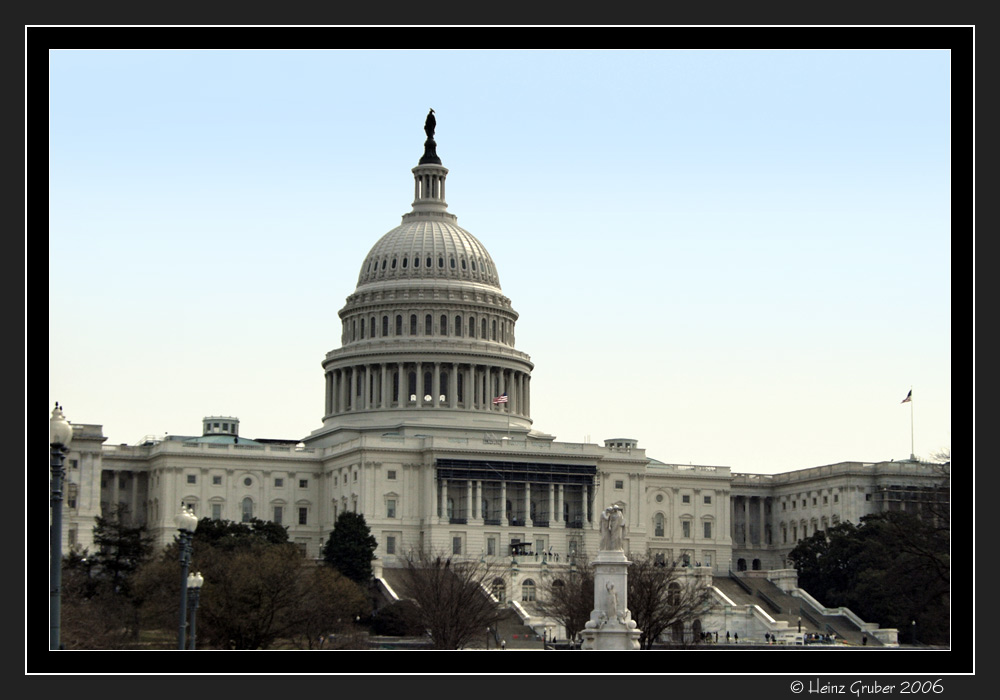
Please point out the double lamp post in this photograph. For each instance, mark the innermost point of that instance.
(60, 435)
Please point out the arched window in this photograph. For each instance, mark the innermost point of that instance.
(413, 324)
(247, 509)
(756, 565)
(404, 262)
(458, 326)
(428, 261)
(483, 334)
(472, 326)
(441, 263)
(393, 266)
(528, 590)
(428, 325)
(741, 564)
(494, 336)
(416, 261)
(658, 525)
(385, 326)
(399, 325)
(362, 329)
(452, 263)
(463, 263)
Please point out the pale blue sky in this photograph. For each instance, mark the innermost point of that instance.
(739, 258)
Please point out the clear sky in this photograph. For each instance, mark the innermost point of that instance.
(738, 258)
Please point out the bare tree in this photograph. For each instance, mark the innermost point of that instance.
(568, 597)
(662, 595)
(452, 597)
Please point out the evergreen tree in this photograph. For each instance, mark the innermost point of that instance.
(351, 547)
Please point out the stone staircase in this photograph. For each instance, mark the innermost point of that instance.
(791, 609)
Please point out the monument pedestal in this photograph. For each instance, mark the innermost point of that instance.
(611, 626)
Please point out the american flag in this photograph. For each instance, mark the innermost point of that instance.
(909, 397)
(501, 399)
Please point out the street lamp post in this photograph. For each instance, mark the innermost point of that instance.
(186, 523)
(913, 625)
(60, 435)
(194, 583)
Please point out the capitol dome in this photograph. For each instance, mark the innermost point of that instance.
(427, 336)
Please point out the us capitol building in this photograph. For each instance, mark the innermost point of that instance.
(427, 431)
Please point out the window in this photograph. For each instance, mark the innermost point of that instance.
(355, 476)
(413, 324)
(674, 594)
(390, 544)
(428, 323)
(456, 545)
(708, 559)
(74, 464)
(444, 325)
(868, 497)
(278, 482)
(500, 590)
(491, 546)
(458, 326)
(248, 481)
(836, 498)
(390, 508)
(303, 483)
(192, 478)
(619, 484)
(399, 325)
(708, 530)
(303, 516)
(216, 511)
(708, 500)
(685, 498)
(528, 590)
(391, 475)
(225, 427)
(686, 528)
(825, 500)
(814, 500)
(659, 498)
(247, 509)
(277, 515)
(217, 480)
(658, 525)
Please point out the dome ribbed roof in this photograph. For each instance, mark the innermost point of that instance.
(428, 249)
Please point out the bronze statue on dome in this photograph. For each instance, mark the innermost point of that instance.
(429, 125)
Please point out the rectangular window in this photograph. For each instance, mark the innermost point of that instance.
(685, 498)
(279, 482)
(836, 498)
(355, 476)
(390, 544)
(814, 500)
(74, 464)
(491, 546)
(192, 478)
(225, 427)
(708, 531)
(456, 545)
(390, 508)
(825, 500)
(277, 515)
(539, 546)
(391, 475)
(708, 500)
(619, 484)
(686, 528)
(303, 483)
(303, 516)
(708, 559)
(216, 511)
(216, 480)
(868, 497)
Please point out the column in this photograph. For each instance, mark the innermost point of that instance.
(762, 532)
(552, 504)
(560, 499)
(403, 389)
(469, 504)
(443, 499)
(527, 504)
(386, 400)
(453, 386)
(479, 500)
(436, 385)
(527, 394)
(503, 503)
(420, 384)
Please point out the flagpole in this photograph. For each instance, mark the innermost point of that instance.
(913, 455)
